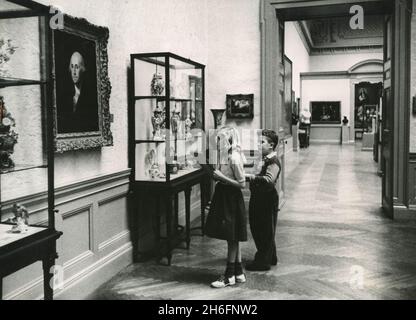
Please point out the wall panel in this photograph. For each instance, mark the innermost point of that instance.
(91, 213)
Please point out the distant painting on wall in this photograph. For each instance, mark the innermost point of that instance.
(365, 94)
(286, 123)
(326, 112)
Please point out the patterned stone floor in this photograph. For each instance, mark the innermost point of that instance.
(333, 243)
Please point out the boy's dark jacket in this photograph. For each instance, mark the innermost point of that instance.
(262, 185)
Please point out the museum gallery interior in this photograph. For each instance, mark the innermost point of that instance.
(108, 117)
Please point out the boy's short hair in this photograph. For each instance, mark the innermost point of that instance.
(271, 137)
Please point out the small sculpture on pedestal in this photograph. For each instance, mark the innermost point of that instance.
(21, 219)
(345, 120)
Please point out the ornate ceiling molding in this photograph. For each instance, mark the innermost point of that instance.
(332, 37)
(346, 50)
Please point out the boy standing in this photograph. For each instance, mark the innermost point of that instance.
(264, 204)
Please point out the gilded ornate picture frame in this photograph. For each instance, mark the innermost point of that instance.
(82, 87)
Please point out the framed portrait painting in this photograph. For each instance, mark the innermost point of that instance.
(326, 112)
(82, 87)
(240, 106)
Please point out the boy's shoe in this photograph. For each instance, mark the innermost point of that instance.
(223, 282)
(240, 278)
(257, 267)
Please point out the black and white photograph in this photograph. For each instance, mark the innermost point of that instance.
(226, 154)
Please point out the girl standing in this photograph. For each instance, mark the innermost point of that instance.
(227, 217)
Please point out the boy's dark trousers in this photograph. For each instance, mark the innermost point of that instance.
(263, 213)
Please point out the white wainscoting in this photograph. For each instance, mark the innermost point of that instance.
(96, 241)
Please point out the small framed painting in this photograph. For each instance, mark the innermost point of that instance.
(240, 106)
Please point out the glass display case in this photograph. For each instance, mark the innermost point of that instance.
(27, 225)
(166, 143)
(168, 113)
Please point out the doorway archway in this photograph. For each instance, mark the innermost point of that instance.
(395, 132)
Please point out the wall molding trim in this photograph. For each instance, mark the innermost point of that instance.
(347, 50)
(336, 75)
(102, 246)
(83, 256)
(94, 273)
(95, 182)
(71, 188)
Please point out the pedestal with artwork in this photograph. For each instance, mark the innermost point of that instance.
(368, 141)
(345, 134)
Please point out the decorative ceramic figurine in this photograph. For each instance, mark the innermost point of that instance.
(154, 171)
(174, 121)
(157, 85)
(8, 138)
(189, 164)
(188, 125)
(173, 167)
(152, 168)
(158, 122)
(21, 219)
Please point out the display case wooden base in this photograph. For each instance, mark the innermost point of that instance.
(168, 195)
(39, 244)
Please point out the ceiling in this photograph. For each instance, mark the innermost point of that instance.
(334, 35)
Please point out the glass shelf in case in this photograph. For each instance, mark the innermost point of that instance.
(168, 119)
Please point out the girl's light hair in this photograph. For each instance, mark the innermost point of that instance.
(229, 141)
